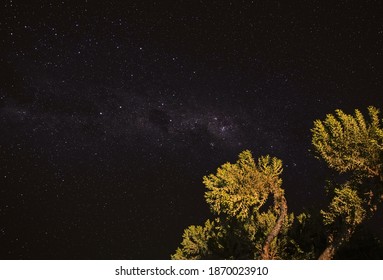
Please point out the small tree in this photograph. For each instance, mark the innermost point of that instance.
(344, 214)
(251, 219)
(351, 145)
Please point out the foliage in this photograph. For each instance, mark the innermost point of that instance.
(309, 234)
(346, 208)
(195, 242)
(242, 188)
(251, 217)
(247, 224)
(349, 144)
(344, 214)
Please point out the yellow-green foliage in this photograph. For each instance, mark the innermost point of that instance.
(237, 195)
(239, 189)
(195, 242)
(251, 218)
(345, 208)
(350, 143)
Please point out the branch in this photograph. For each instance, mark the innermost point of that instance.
(276, 229)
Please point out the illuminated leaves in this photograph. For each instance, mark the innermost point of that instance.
(251, 213)
(350, 143)
(346, 208)
(239, 189)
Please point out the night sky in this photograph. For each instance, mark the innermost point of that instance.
(111, 112)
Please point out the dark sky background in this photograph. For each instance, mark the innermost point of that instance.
(111, 112)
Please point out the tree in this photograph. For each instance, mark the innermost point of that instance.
(351, 145)
(251, 217)
(344, 214)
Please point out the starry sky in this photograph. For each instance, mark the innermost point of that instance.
(111, 112)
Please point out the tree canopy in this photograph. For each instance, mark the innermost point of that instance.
(250, 209)
(352, 145)
(251, 218)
